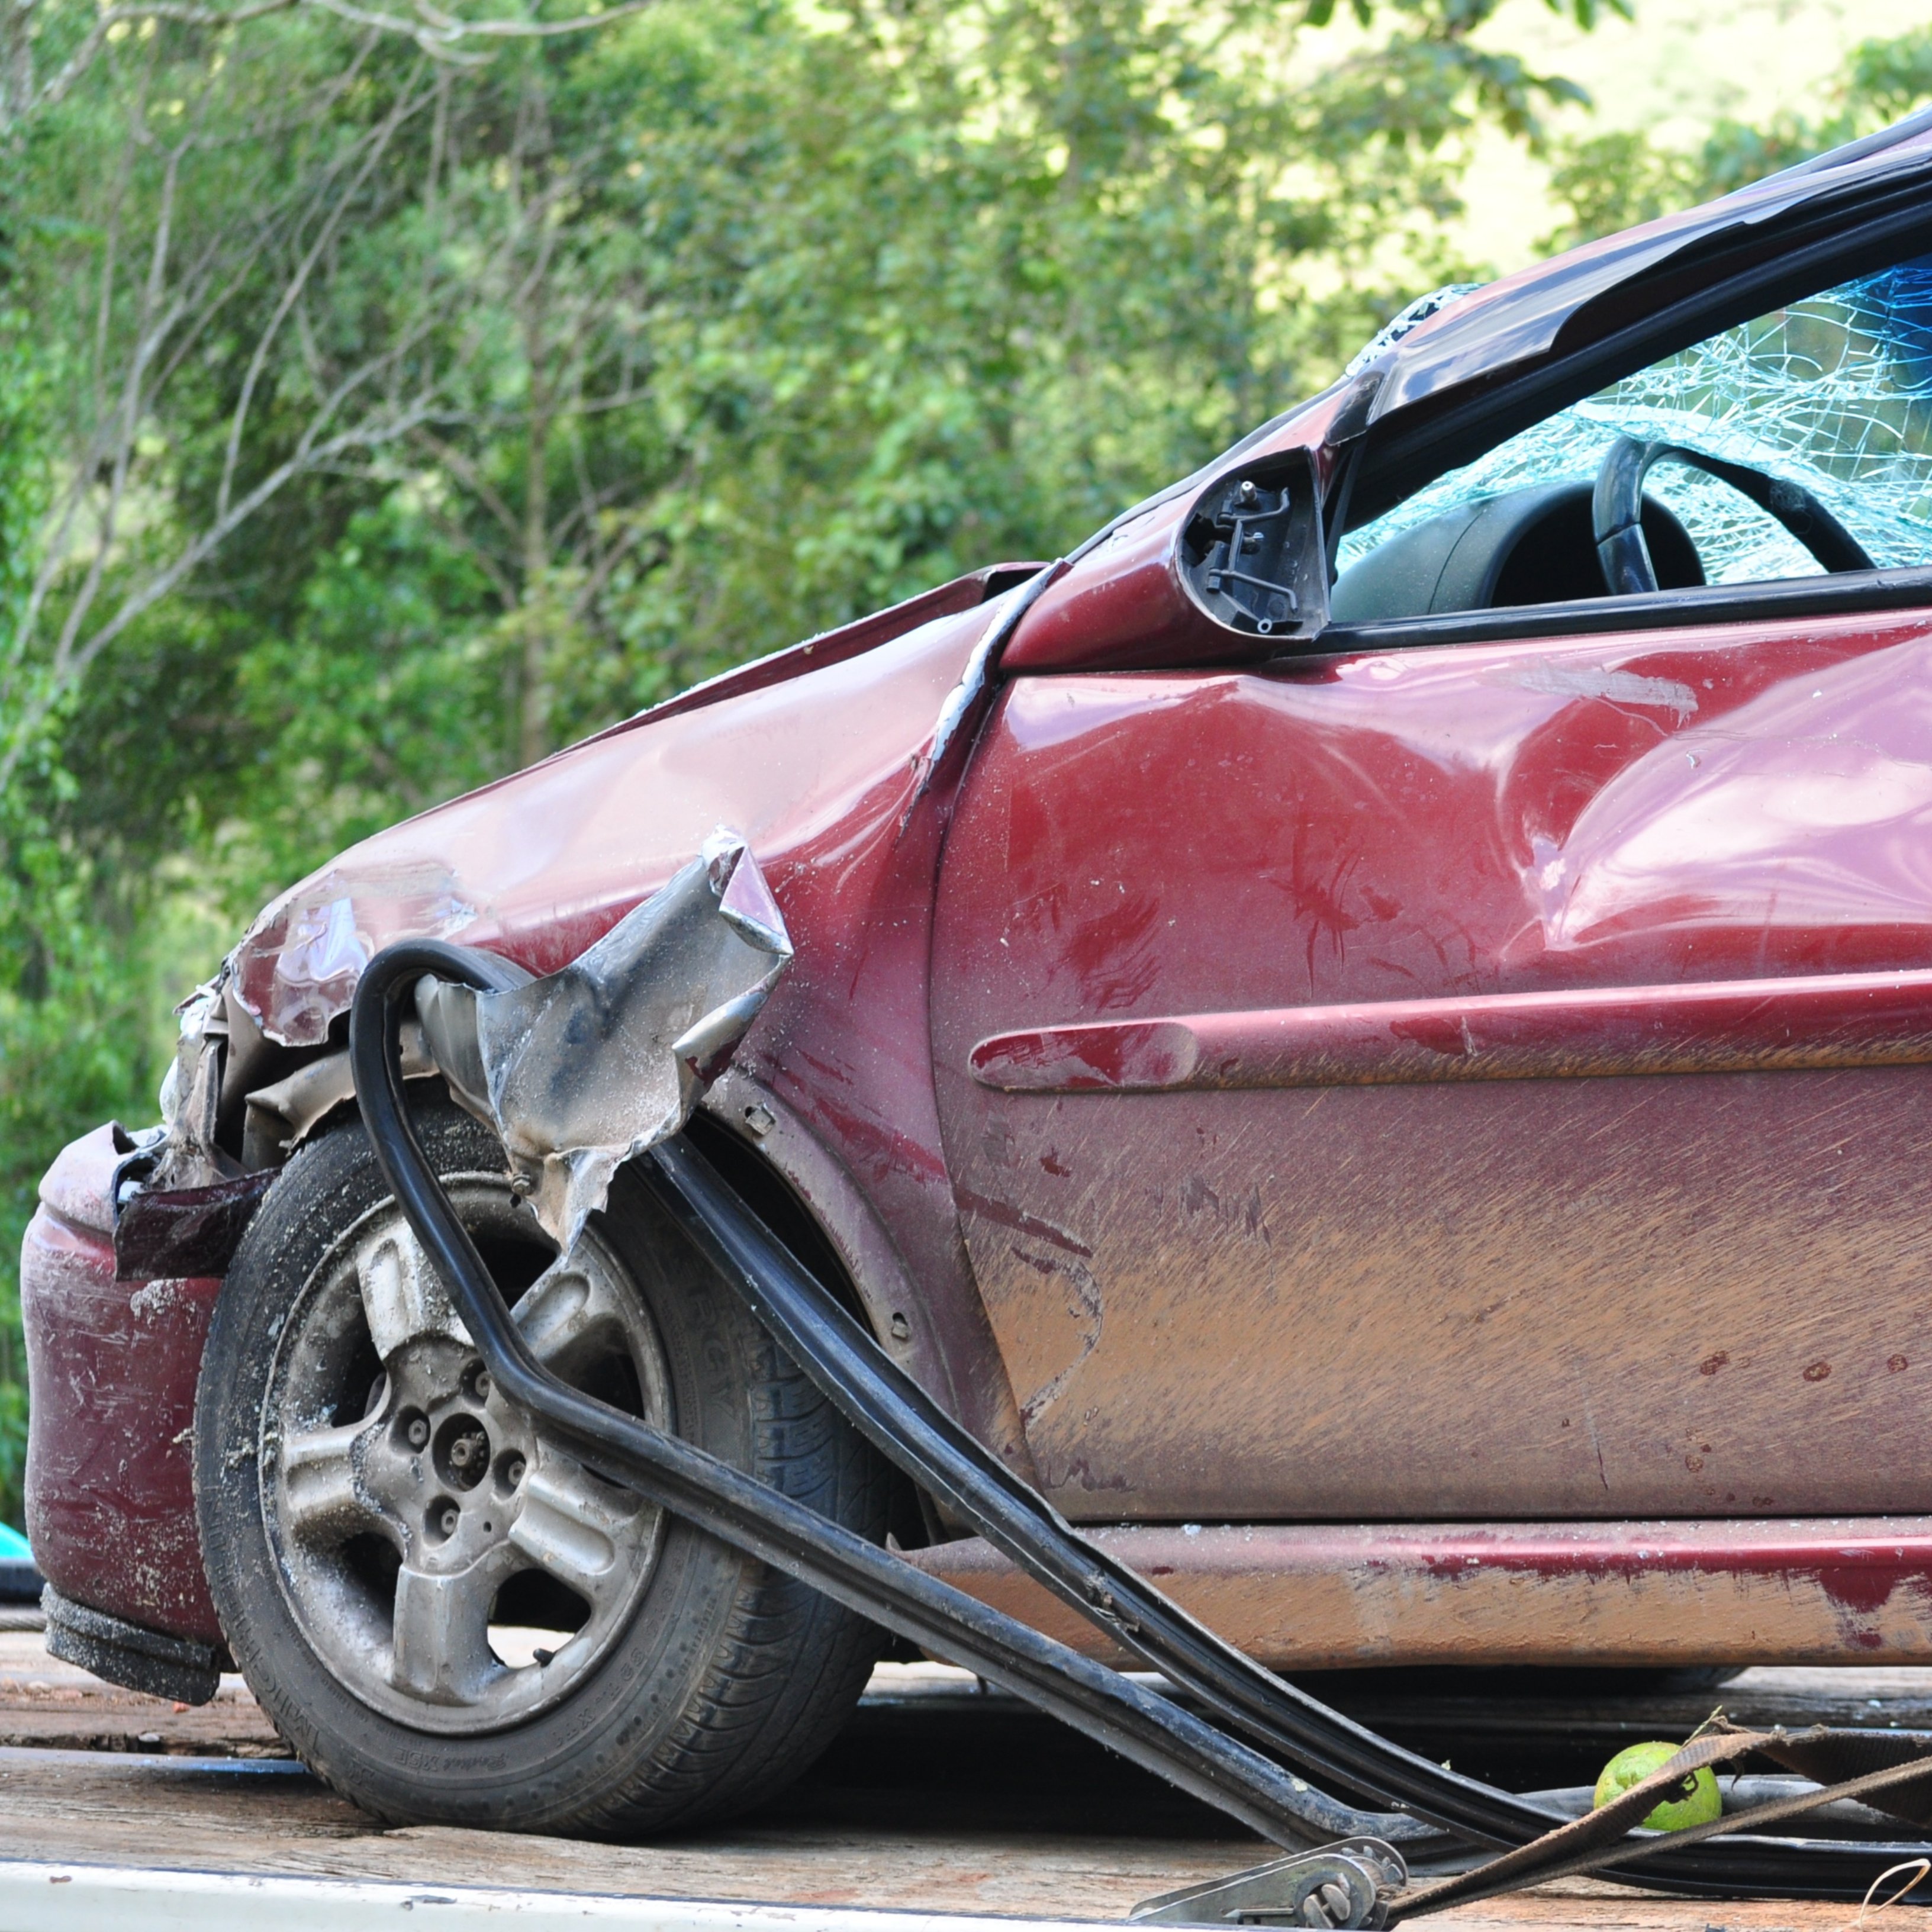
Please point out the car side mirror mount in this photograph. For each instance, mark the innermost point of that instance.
(1250, 552)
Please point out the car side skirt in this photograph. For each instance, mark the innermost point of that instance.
(1320, 1596)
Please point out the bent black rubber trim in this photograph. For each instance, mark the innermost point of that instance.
(1142, 1727)
(1776, 600)
(745, 1513)
(892, 1411)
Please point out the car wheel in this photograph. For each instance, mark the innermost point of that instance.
(449, 1618)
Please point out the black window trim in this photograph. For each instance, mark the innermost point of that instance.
(1776, 600)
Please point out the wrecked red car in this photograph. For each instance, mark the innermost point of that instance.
(1366, 1032)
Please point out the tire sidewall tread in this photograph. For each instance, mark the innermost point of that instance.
(730, 1677)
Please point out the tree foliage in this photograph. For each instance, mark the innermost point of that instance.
(1613, 180)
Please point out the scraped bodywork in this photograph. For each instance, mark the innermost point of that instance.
(1186, 1052)
(583, 1069)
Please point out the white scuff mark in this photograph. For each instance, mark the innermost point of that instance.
(158, 1297)
(330, 925)
(1618, 687)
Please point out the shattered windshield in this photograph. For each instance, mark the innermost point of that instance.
(1833, 393)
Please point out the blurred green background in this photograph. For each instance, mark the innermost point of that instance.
(378, 412)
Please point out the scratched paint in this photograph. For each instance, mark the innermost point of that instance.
(1310, 1597)
(110, 1501)
(1482, 1298)
(816, 771)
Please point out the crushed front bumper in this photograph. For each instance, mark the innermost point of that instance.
(112, 1365)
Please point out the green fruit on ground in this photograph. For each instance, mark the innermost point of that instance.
(1631, 1766)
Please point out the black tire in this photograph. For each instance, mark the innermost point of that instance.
(728, 1679)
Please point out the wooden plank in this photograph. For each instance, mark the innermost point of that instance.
(51, 1705)
(937, 1799)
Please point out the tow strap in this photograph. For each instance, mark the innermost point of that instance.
(1428, 1818)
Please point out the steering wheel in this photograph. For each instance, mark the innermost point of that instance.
(1616, 512)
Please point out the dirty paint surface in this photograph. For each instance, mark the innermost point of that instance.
(1311, 1597)
(1275, 1290)
(1131, 1083)
(110, 1499)
(821, 774)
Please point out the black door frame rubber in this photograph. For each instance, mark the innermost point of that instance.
(1444, 1808)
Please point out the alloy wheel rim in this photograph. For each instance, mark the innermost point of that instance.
(453, 1569)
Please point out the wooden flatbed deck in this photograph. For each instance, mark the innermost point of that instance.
(938, 1799)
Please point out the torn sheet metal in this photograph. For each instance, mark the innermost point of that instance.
(277, 1118)
(170, 1234)
(191, 1100)
(581, 1070)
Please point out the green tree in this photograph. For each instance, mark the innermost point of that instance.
(1613, 180)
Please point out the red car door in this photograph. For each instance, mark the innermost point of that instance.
(1466, 1082)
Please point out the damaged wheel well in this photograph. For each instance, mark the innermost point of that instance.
(914, 1522)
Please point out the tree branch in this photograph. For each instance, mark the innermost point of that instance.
(439, 35)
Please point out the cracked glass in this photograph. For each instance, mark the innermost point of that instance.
(1833, 393)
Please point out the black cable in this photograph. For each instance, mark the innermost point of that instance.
(1126, 1716)
(1147, 1729)
(886, 1405)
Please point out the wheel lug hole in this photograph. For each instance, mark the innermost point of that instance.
(462, 1451)
(512, 1468)
(413, 1426)
(444, 1519)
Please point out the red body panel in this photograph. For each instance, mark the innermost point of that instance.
(1319, 1596)
(110, 1497)
(818, 772)
(848, 640)
(1232, 1296)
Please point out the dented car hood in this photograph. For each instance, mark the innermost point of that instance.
(539, 866)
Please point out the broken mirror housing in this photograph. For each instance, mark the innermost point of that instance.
(1250, 551)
